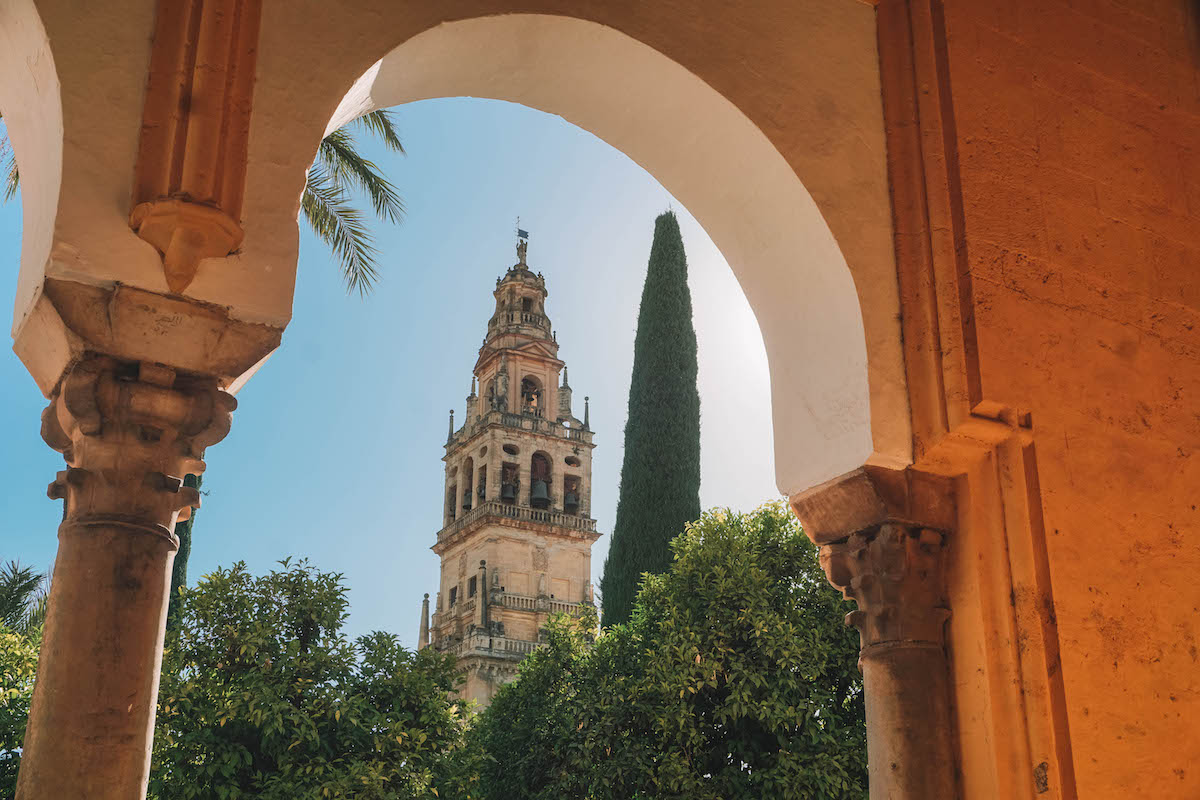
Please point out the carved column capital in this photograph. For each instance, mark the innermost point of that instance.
(895, 575)
(129, 432)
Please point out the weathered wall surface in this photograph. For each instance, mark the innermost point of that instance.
(1078, 136)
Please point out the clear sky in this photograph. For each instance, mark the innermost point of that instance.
(335, 449)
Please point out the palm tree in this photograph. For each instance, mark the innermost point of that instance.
(23, 595)
(8, 168)
(327, 204)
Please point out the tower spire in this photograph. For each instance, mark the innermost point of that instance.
(586, 413)
(423, 638)
(565, 383)
(450, 434)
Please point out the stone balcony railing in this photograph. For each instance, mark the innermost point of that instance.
(516, 602)
(511, 318)
(522, 602)
(488, 644)
(522, 513)
(523, 422)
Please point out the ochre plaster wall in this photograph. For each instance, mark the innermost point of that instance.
(1078, 138)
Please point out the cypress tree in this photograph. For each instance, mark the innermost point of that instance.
(660, 476)
(183, 530)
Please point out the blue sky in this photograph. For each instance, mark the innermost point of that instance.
(336, 444)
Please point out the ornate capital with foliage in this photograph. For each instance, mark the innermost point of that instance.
(129, 433)
(896, 576)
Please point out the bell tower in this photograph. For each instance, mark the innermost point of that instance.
(517, 532)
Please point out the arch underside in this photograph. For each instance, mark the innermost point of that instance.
(799, 121)
(715, 161)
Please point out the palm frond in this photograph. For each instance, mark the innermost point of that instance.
(345, 166)
(8, 169)
(19, 587)
(341, 226)
(382, 123)
(12, 177)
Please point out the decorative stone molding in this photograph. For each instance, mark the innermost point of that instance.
(129, 433)
(882, 535)
(896, 577)
(191, 169)
(863, 500)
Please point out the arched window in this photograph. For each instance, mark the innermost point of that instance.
(509, 482)
(468, 479)
(531, 395)
(539, 481)
(571, 494)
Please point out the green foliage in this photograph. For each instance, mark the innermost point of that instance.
(22, 597)
(735, 678)
(326, 203)
(263, 696)
(10, 177)
(18, 665)
(660, 476)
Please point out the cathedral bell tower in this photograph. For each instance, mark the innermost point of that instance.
(517, 534)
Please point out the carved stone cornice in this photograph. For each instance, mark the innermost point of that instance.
(871, 496)
(129, 432)
(896, 576)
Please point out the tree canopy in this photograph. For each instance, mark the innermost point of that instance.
(263, 696)
(18, 666)
(660, 474)
(734, 678)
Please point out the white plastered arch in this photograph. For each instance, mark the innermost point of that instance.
(710, 156)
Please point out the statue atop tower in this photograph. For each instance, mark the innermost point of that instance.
(517, 496)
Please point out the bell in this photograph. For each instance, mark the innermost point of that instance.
(540, 496)
(508, 492)
(467, 500)
(571, 502)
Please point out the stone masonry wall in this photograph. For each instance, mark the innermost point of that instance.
(1078, 137)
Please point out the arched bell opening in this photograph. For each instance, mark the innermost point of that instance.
(571, 493)
(510, 482)
(539, 480)
(532, 396)
(468, 483)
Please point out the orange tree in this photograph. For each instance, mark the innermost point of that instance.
(264, 696)
(735, 678)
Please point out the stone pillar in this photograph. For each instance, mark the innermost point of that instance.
(895, 576)
(882, 535)
(128, 433)
(481, 595)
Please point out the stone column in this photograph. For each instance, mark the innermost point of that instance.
(481, 596)
(895, 576)
(128, 433)
(882, 535)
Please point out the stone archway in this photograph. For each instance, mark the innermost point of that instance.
(721, 166)
(779, 154)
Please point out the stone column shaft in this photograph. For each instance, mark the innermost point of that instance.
(894, 573)
(129, 433)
